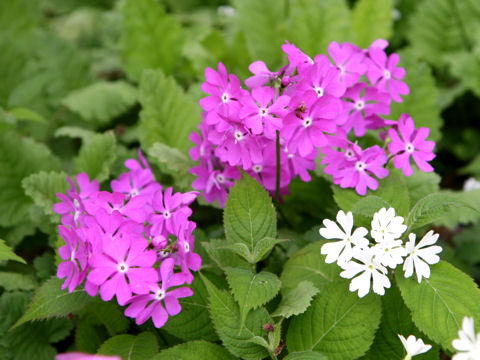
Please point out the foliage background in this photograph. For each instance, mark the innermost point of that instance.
(84, 83)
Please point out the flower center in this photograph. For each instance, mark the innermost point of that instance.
(342, 70)
(225, 98)
(160, 295)
(238, 136)
(387, 75)
(122, 267)
(263, 112)
(360, 105)
(319, 91)
(72, 257)
(167, 214)
(409, 148)
(163, 254)
(360, 166)
(307, 122)
(220, 178)
(186, 247)
(76, 203)
(349, 153)
(257, 168)
(133, 193)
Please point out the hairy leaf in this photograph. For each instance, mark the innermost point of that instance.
(297, 300)
(130, 347)
(194, 350)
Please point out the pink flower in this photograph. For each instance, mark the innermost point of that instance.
(261, 75)
(74, 253)
(412, 144)
(87, 187)
(186, 258)
(121, 259)
(83, 356)
(384, 73)
(297, 59)
(203, 147)
(153, 304)
(349, 60)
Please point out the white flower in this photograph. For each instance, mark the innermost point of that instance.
(414, 346)
(387, 226)
(421, 255)
(390, 252)
(370, 269)
(471, 184)
(468, 344)
(341, 251)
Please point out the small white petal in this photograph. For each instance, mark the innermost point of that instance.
(414, 346)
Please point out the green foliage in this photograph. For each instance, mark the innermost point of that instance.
(305, 355)
(130, 347)
(338, 324)
(220, 252)
(308, 264)
(297, 300)
(101, 101)
(194, 350)
(7, 254)
(372, 20)
(168, 115)
(19, 158)
(96, 156)
(467, 214)
(421, 184)
(440, 303)
(249, 215)
(151, 39)
(42, 187)
(27, 115)
(11, 281)
(225, 314)
(252, 290)
(51, 301)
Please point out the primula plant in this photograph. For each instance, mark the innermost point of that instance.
(249, 179)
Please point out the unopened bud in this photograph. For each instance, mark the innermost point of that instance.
(268, 327)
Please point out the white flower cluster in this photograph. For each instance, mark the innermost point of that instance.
(365, 263)
(468, 343)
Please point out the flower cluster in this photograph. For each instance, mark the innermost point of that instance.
(308, 105)
(367, 263)
(135, 243)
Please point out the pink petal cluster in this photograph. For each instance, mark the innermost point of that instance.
(131, 243)
(325, 103)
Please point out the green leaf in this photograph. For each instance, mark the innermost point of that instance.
(308, 264)
(421, 184)
(220, 252)
(249, 215)
(264, 246)
(168, 115)
(19, 158)
(440, 303)
(74, 132)
(173, 162)
(422, 104)
(365, 208)
(193, 322)
(96, 156)
(312, 31)
(297, 300)
(42, 187)
(371, 20)
(252, 290)
(225, 314)
(51, 301)
(130, 347)
(15, 281)
(151, 39)
(195, 350)
(466, 66)
(432, 207)
(101, 101)
(8, 254)
(265, 33)
(305, 355)
(396, 319)
(338, 324)
(462, 215)
(27, 114)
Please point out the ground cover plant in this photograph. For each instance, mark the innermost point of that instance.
(204, 179)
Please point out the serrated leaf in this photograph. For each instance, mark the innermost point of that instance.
(252, 290)
(338, 324)
(264, 246)
(15, 281)
(8, 254)
(225, 315)
(220, 252)
(42, 187)
(101, 101)
(168, 115)
(151, 38)
(439, 303)
(422, 104)
(312, 31)
(258, 20)
(297, 300)
(371, 20)
(431, 208)
(305, 355)
(173, 162)
(421, 184)
(51, 301)
(249, 215)
(396, 320)
(19, 158)
(193, 322)
(96, 156)
(195, 350)
(309, 264)
(130, 347)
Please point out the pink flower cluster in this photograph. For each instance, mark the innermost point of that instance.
(325, 104)
(135, 243)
